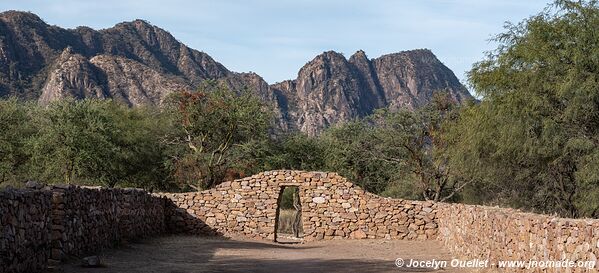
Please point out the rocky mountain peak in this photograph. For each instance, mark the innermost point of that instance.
(359, 56)
(325, 60)
(141, 64)
(331, 89)
(141, 24)
(330, 55)
(21, 17)
(143, 29)
(72, 76)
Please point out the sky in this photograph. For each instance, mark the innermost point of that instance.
(275, 38)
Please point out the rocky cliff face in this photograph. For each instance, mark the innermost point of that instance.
(34, 56)
(331, 89)
(409, 79)
(140, 64)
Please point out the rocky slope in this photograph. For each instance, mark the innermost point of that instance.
(140, 64)
(331, 89)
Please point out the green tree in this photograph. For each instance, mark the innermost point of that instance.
(533, 140)
(141, 155)
(15, 129)
(349, 152)
(400, 154)
(415, 142)
(95, 142)
(209, 125)
(295, 151)
(73, 141)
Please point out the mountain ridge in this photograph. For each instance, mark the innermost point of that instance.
(139, 64)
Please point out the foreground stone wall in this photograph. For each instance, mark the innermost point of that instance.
(332, 207)
(497, 234)
(52, 223)
(24, 230)
(87, 219)
(43, 226)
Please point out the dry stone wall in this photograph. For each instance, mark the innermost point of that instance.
(43, 226)
(46, 224)
(332, 208)
(87, 219)
(24, 230)
(497, 234)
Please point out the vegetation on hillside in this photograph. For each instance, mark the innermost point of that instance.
(532, 142)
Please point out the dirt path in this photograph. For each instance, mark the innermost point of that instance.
(178, 254)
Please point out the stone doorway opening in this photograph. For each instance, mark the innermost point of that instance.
(288, 223)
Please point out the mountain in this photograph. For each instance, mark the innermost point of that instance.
(140, 64)
(331, 89)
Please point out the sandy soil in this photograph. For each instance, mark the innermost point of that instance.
(179, 254)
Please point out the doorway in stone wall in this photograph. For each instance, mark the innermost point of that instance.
(288, 224)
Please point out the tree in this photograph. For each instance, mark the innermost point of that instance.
(15, 129)
(416, 143)
(400, 154)
(209, 125)
(95, 142)
(534, 137)
(72, 141)
(140, 158)
(295, 151)
(348, 152)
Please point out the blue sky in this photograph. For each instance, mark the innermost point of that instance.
(275, 38)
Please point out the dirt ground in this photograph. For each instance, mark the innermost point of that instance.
(179, 254)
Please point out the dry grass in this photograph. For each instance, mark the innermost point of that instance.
(286, 217)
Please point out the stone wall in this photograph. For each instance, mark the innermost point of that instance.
(332, 207)
(52, 223)
(43, 226)
(24, 230)
(497, 234)
(87, 219)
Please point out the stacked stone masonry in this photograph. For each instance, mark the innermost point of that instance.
(496, 234)
(48, 224)
(87, 219)
(24, 230)
(332, 208)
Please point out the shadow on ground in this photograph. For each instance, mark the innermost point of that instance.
(183, 254)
